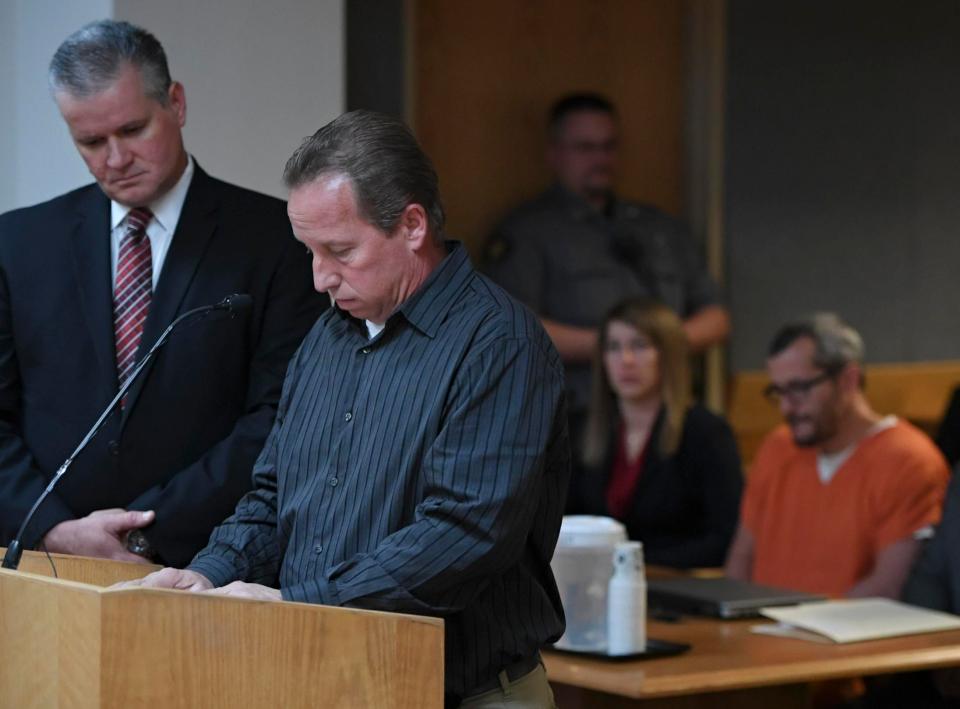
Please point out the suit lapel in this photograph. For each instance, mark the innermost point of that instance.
(195, 228)
(91, 258)
(653, 458)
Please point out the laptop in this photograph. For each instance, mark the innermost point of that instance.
(719, 597)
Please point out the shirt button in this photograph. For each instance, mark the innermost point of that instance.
(113, 448)
(365, 350)
(347, 416)
(318, 548)
(333, 482)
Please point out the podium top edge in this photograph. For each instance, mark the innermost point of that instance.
(110, 591)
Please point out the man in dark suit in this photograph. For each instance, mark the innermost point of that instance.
(90, 279)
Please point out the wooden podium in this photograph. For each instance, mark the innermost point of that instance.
(71, 642)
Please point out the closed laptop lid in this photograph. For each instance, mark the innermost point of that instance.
(721, 597)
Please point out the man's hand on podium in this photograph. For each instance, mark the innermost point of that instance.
(179, 579)
(184, 580)
(241, 589)
(100, 534)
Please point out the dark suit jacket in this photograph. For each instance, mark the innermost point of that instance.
(195, 421)
(685, 507)
(934, 581)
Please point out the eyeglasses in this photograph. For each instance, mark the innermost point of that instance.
(795, 391)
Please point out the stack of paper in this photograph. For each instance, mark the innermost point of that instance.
(854, 620)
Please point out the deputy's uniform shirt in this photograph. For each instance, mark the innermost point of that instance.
(570, 263)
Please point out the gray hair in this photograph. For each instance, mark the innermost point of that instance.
(385, 165)
(837, 344)
(91, 59)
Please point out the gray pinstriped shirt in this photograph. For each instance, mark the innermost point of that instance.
(422, 471)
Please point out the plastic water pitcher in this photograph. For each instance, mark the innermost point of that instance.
(583, 565)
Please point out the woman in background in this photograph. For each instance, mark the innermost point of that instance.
(666, 468)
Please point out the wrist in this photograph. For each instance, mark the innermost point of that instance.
(54, 540)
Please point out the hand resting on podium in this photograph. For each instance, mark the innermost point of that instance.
(185, 580)
(242, 589)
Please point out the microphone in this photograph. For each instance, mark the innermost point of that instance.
(234, 304)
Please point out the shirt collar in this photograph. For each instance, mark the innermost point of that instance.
(166, 210)
(428, 306)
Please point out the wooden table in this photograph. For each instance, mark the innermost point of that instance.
(729, 666)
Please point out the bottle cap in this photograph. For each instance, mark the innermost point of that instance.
(628, 556)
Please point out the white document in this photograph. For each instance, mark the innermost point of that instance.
(854, 620)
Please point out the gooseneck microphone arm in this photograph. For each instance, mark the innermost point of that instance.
(235, 303)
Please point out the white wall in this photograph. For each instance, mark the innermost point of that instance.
(258, 76)
(39, 159)
(8, 16)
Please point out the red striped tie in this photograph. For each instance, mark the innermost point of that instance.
(131, 296)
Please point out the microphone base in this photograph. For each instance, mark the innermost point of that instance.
(11, 560)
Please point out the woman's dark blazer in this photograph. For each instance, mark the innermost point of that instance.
(686, 506)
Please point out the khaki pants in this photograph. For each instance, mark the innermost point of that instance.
(532, 691)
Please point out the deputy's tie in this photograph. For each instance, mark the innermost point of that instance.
(131, 295)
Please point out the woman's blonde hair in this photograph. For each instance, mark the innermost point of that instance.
(663, 328)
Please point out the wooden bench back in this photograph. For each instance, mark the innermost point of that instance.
(915, 391)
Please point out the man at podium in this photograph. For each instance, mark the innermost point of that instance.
(419, 460)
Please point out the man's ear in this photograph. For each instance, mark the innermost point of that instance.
(551, 154)
(177, 101)
(414, 226)
(850, 376)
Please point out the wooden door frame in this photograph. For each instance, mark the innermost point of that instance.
(704, 131)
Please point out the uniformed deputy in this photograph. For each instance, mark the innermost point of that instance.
(577, 250)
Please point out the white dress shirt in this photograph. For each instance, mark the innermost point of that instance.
(166, 215)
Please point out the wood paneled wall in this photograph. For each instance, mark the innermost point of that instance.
(483, 75)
